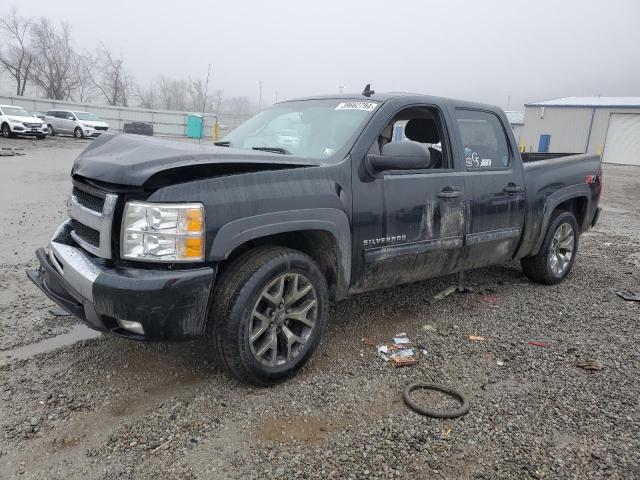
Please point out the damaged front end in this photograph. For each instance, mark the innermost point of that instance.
(154, 305)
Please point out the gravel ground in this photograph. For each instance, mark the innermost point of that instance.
(108, 408)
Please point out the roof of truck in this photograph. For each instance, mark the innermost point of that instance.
(386, 96)
(588, 102)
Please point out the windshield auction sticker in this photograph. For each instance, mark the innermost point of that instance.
(366, 106)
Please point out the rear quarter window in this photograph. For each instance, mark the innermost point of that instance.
(483, 140)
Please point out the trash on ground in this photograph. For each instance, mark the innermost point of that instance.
(368, 342)
(477, 338)
(59, 312)
(400, 351)
(491, 300)
(536, 344)
(401, 361)
(590, 364)
(429, 328)
(401, 340)
(445, 293)
(500, 363)
(628, 295)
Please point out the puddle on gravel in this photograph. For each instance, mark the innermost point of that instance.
(77, 333)
(295, 430)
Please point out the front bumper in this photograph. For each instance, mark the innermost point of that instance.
(169, 304)
(21, 130)
(92, 132)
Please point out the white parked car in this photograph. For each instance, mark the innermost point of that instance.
(78, 124)
(16, 120)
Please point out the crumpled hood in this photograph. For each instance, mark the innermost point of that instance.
(135, 159)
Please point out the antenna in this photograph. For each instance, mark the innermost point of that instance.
(367, 92)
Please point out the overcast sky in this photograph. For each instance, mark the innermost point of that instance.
(480, 50)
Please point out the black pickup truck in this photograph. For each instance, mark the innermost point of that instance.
(248, 241)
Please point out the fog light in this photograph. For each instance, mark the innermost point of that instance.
(135, 327)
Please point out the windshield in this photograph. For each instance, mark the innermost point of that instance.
(85, 116)
(307, 128)
(16, 112)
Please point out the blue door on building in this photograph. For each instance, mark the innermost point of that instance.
(543, 146)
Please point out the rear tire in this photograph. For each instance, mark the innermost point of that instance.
(78, 133)
(268, 314)
(558, 252)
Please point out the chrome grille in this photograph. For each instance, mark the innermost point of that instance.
(89, 200)
(88, 234)
(101, 128)
(91, 215)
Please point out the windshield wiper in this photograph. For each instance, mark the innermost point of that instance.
(222, 144)
(281, 150)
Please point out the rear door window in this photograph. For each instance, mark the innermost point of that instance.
(483, 139)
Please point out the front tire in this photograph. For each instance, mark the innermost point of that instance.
(40, 137)
(51, 131)
(558, 252)
(5, 131)
(268, 314)
(78, 133)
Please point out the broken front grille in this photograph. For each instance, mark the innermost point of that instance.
(87, 234)
(91, 213)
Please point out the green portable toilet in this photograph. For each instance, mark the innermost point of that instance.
(194, 126)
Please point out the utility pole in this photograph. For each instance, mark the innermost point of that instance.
(340, 88)
(260, 94)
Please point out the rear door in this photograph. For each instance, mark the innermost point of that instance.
(494, 182)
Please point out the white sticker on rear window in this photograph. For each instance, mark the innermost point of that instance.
(366, 106)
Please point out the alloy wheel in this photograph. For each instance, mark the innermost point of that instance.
(283, 319)
(561, 249)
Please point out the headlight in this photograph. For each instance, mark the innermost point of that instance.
(86, 125)
(163, 232)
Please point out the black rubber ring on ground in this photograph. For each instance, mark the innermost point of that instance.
(406, 395)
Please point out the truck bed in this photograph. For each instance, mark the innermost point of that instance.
(535, 156)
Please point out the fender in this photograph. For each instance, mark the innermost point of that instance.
(332, 220)
(555, 199)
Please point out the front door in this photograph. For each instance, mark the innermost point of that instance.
(423, 217)
(494, 183)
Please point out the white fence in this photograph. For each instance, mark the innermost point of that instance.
(165, 122)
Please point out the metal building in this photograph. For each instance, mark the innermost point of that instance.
(609, 126)
(516, 120)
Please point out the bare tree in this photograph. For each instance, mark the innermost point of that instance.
(174, 94)
(54, 59)
(239, 106)
(217, 102)
(85, 89)
(15, 55)
(110, 77)
(147, 96)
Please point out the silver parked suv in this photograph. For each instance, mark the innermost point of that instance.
(78, 124)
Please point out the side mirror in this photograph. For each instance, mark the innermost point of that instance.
(70, 118)
(401, 156)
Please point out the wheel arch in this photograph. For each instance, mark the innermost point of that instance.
(574, 199)
(324, 234)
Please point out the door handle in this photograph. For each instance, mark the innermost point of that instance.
(448, 193)
(512, 189)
